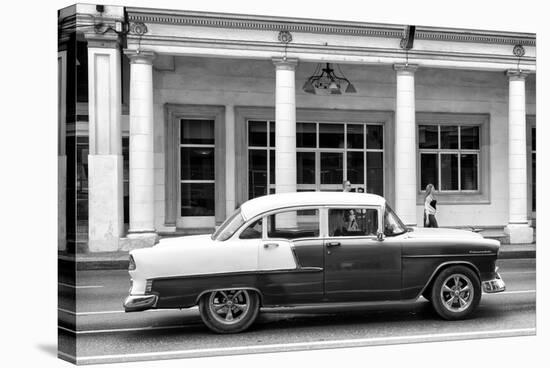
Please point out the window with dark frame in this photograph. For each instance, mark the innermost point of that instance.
(326, 154)
(197, 175)
(261, 158)
(126, 178)
(353, 221)
(294, 224)
(449, 157)
(82, 151)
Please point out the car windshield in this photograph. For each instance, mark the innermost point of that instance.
(392, 224)
(229, 226)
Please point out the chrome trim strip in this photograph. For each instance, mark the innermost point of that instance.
(294, 255)
(136, 303)
(311, 269)
(329, 305)
(239, 273)
(451, 255)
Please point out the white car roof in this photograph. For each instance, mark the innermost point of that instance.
(271, 202)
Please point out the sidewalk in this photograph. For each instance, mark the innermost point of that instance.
(119, 260)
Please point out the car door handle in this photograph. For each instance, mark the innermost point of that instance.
(333, 244)
(271, 245)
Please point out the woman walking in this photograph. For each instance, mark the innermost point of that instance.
(430, 202)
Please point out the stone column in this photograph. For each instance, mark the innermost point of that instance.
(142, 190)
(285, 131)
(518, 228)
(61, 154)
(285, 125)
(105, 199)
(405, 144)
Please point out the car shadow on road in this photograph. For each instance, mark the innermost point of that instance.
(394, 313)
(50, 349)
(286, 319)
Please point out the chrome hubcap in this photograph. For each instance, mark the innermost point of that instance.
(457, 293)
(229, 306)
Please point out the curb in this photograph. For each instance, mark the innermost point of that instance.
(517, 254)
(72, 264)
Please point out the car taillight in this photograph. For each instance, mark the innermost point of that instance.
(148, 286)
(132, 264)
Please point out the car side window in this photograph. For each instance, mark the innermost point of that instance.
(253, 231)
(294, 224)
(352, 221)
(392, 224)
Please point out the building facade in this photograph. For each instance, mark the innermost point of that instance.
(169, 120)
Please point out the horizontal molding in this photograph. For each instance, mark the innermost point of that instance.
(267, 25)
(451, 118)
(475, 37)
(310, 53)
(263, 23)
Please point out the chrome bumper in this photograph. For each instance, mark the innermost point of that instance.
(136, 303)
(495, 285)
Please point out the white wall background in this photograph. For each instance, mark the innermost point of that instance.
(197, 80)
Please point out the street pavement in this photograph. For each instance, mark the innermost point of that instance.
(104, 333)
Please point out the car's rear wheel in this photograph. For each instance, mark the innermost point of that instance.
(229, 311)
(456, 292)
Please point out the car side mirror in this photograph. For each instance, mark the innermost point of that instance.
(380, 236)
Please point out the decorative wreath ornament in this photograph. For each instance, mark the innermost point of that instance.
(519, 51)
(138, 28)
(285, 37)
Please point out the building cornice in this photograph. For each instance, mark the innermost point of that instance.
(265, 23)
(301, 51)
(475, 36)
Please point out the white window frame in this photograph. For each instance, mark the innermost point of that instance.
(268, 149)
(379, 216)
(451, 151)
(480, 196)
(264, 216)
(209, 220)
(317, 150)
(344, 151)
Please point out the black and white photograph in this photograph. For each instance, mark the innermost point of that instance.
(264, 184)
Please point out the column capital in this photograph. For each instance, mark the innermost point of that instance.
(103, 41)
(140, 56)
(284, 63)
(517, 74)
(405, 68)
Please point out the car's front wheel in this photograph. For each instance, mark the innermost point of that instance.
(456, 292)
(229, 311)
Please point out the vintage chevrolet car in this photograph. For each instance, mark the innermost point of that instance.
(311, 249)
